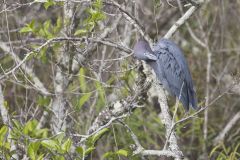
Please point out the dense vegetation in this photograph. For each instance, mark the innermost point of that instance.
(71, 89)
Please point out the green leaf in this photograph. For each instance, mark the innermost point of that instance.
(122, 152)
(58, 158)
(214, 149)
(90, 25)
(66, 145)
(91, 11)
(42, 33)
(89, 150)
(98, 135)
(48, 4)
(32, 24)
(3, 132)
(40, 157)
(47, 24)
(236, 149)
(42, 133)
(80, 32)
(5, 103)
(32, 150)
(48, 35)
(98, 16)
(101, 91)
(31, 153)
(29, 27)
(43, 57)
(17, 124)
(80, 150)
(46, 27)
(30, 126)
(26, 29)
(58, 27)
(50, 144)
(83, 100)
(60, 137)
(82, 80)
(108, 155)
(43, 101)
(98, 4)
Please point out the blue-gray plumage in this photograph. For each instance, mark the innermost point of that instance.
(171, 68)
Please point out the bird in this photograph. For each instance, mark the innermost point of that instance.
(171, 68)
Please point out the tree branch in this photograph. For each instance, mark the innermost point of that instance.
(180, 22)
(6, 121)
(37, 83)
(130, 18)
(227, 128)
(61, 80)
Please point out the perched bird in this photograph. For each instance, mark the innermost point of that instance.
(170, 66)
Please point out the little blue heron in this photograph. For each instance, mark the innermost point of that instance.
(170, 66)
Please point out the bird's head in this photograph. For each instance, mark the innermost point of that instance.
(143, 51)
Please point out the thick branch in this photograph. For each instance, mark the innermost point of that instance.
(61, 80)
(159, 153)
(165, 116)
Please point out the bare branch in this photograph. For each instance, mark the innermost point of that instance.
(61, 80)
(159, 153)
(3, 110)
(130, 18)
(227, 128)
(122, 107)
(180, 22)
(37, 83)
(139, 147)
(6, 121)
(60, 39)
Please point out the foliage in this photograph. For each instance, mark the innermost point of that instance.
(95, 15)
(107, 74)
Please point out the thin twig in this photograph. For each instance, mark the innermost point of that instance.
(227, 128)
(60, 39)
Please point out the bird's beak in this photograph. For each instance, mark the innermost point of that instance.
(151, 56)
